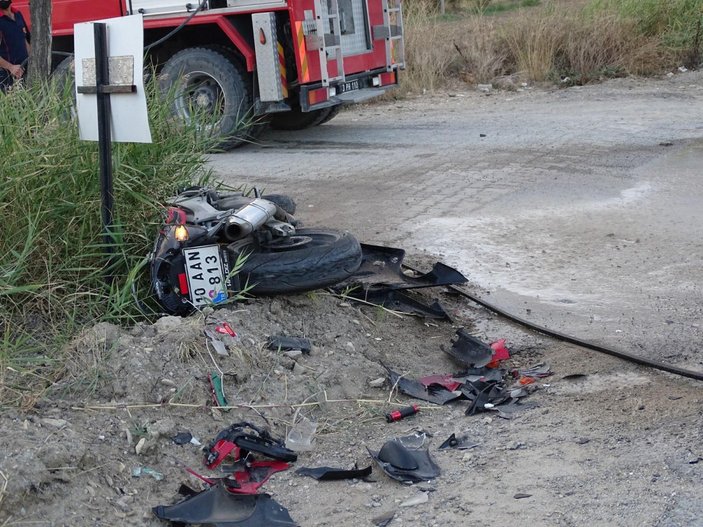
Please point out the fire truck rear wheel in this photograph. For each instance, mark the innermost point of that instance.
(296, 119)
(310, 259)
(213, 84)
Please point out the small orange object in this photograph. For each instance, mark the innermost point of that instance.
(526, 380)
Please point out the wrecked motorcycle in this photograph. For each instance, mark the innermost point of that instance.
(213, 246)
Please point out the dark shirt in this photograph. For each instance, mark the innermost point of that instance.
(14, 36)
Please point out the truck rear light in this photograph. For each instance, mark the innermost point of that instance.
(317, 96)
(333, 91)
(388, 78)
(376, 81)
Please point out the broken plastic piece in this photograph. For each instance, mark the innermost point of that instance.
(278, 342)
(384, 520)
(482, 393)
(242, 438)
(138, 472)
(302, 435)
(217, 344)
(406, 459)
(469, 350)
(500, 353)
(446, 381)
(226, 329)
(383, 266)
(433, 394)
(332, 474)
(399, 301)
(218, 508)
(537, 371)
(218, 395)
(460, 443)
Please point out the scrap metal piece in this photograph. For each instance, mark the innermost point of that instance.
(382, 266)
(434, 394)
(332, 474)
(218, 508)
(469, 350)
(406, 459)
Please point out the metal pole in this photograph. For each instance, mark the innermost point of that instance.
(102, 78)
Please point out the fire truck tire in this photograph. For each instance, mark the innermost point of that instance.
(311, 259)
(64, 75)
(208, 79)
(331, 114)
(296, 119)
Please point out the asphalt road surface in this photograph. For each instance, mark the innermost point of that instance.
(580, 209)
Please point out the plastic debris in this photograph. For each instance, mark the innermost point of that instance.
(218, 508)
(226, 329)
(333, 474)
(469, 351)
(216, 343)
(216, 390)
(301, 436)
(413, 388)
(138, 472)
(500, 353)
(384, 519)
(278, 342)
(459, 443)
(183, 438)
(407, 459)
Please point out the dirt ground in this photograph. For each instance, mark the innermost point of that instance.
(620, 445)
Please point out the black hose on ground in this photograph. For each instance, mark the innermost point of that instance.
(578, 342)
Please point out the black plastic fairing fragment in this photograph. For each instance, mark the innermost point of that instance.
(459, 443)
(469, 351)
(406, 459)
(382, 266)
(399, 301)
(215, 507)
(332, 474)
(276, 342)
(434, 394)
(481, 393)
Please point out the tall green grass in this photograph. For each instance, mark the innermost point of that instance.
(52, 253)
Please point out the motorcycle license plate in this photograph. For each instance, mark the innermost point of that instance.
(206, 281)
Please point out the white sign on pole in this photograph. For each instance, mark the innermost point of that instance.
(125, 44)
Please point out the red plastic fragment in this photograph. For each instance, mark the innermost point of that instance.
(500, 353)
(183, 283)
(446, 380)
(226, 329)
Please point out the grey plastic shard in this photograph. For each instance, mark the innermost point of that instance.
(469, 351)
(407, 459)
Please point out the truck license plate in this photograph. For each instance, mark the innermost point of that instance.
(348, 86)
(206, 281)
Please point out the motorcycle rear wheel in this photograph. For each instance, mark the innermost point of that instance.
(311, 259)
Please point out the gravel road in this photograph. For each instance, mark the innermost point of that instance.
(579, 208)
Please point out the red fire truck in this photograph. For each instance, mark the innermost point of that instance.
(292, 63)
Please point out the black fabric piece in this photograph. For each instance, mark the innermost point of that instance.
(399, 301)
(460, 443)
(383, 266)
(401, 451)
(469, 351)
(216, 507)
(276, 342)
(434, 394)
(332, 474)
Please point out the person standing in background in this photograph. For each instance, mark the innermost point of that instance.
(14, 45)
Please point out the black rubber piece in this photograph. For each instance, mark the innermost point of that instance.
(220, 76)
(314, 258)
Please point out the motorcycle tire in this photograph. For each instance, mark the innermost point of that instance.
(311, 259)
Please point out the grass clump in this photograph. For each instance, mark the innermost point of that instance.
(52, 261)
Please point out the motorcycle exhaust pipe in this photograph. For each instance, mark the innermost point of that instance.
(249, 218)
